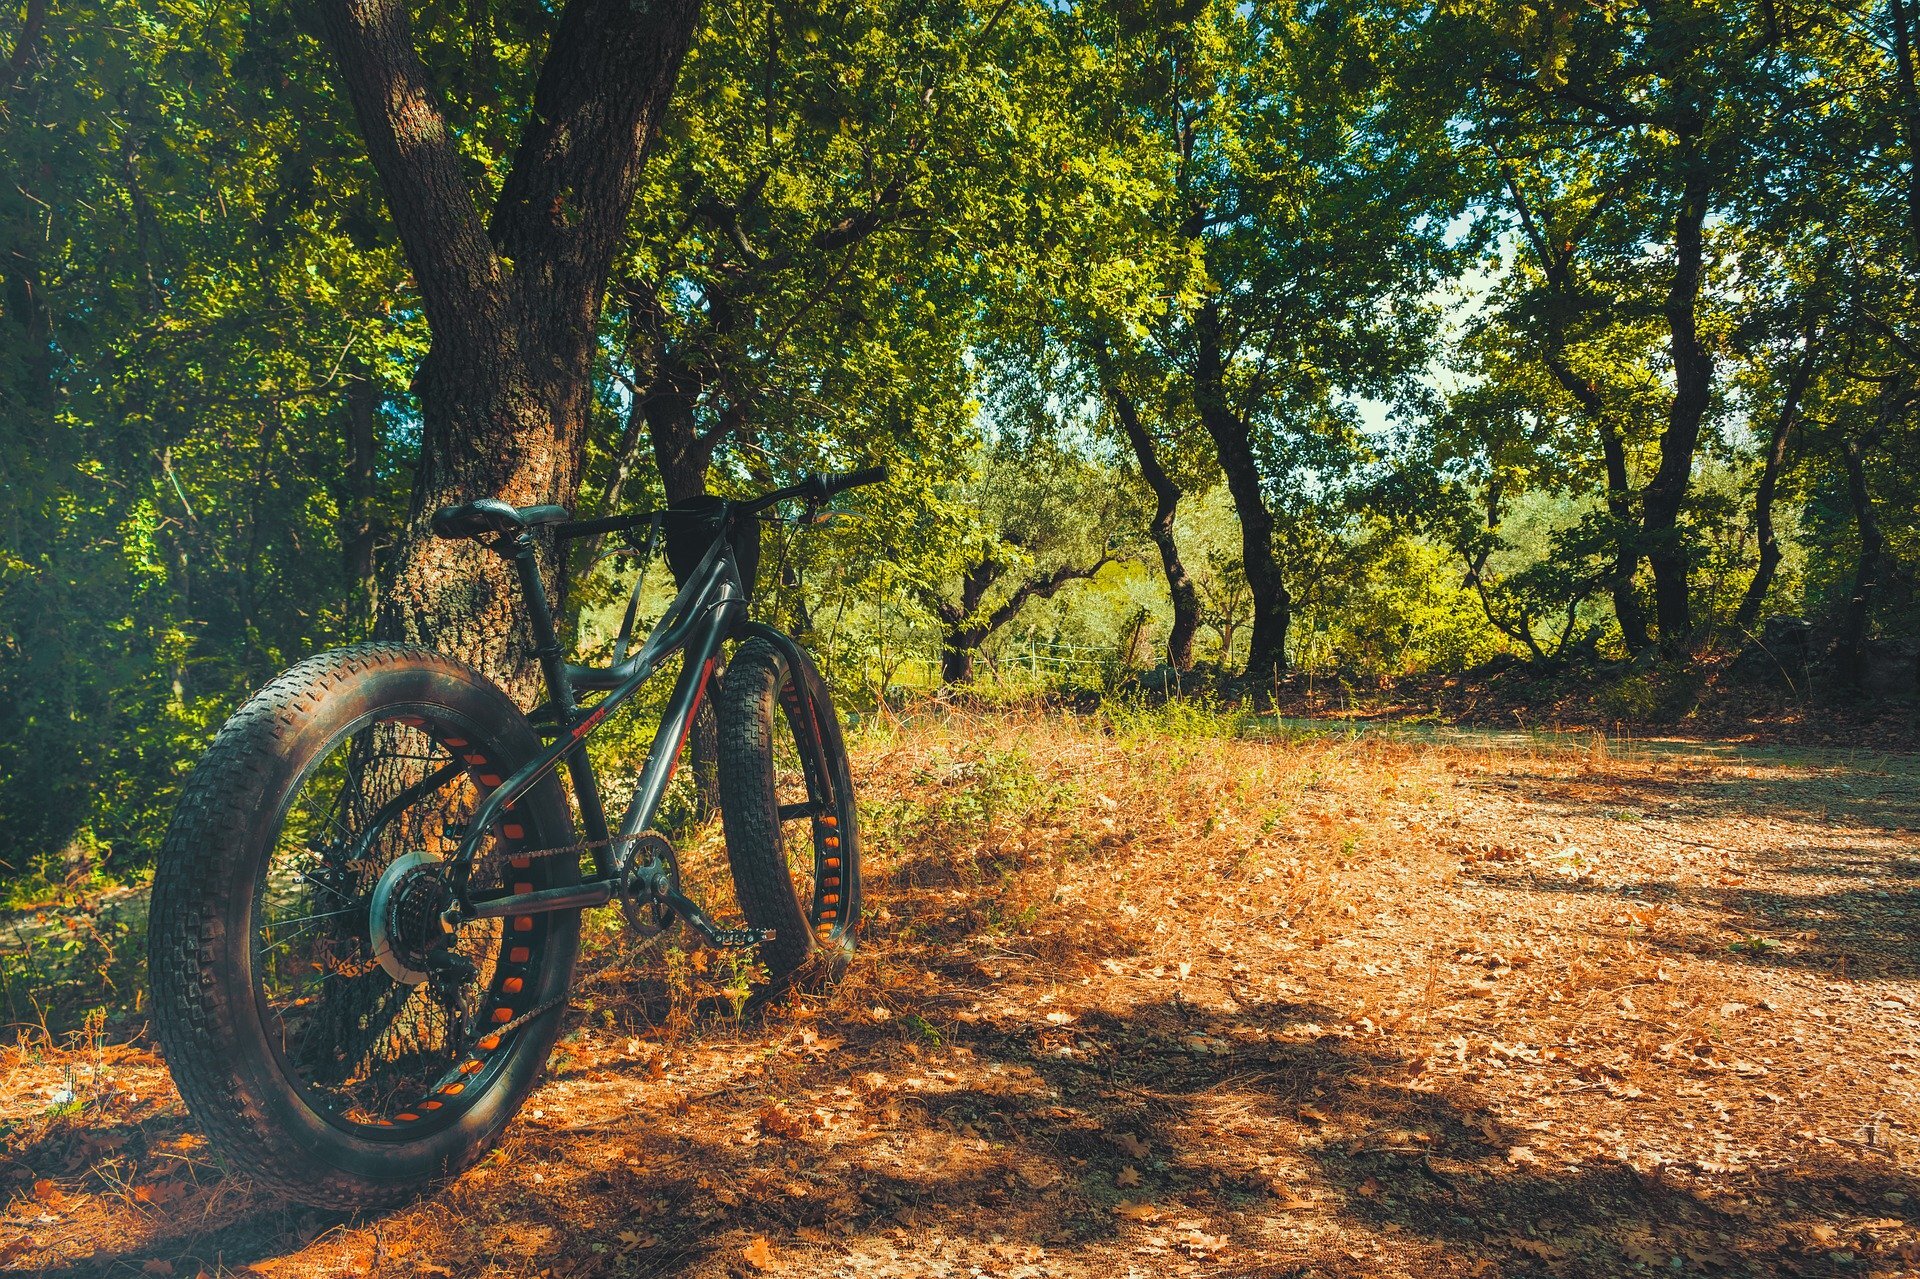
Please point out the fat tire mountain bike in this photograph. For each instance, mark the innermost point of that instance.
(366, 911)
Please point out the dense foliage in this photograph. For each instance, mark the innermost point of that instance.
(1346, 335)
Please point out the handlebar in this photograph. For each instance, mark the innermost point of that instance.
(854, 479)
(816, 487)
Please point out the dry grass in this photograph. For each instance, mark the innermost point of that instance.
(1165, 993)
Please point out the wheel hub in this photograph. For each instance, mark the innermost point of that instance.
(405, 921)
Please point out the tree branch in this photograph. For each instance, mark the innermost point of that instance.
(406, 135)
(1044, 588)
(563, 208)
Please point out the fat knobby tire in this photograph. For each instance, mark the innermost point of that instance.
(206, 1012)
(758, 687)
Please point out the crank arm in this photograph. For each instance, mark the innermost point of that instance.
(723, 938)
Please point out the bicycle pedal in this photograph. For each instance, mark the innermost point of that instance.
(723, 938)
(738, 938)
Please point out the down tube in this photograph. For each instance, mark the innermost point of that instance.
(696, 665)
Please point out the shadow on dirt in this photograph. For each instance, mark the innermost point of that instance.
(1171, 1109)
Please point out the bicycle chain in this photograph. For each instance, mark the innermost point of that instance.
(351, 968)
(534, 854)
(497, 860)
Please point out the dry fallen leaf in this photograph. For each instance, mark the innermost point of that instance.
(1128, 1176)
(758, 1254)
(1289, 1199)
(1136, 1211)
(1130, 1144)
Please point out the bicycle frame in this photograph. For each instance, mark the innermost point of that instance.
(709, 608)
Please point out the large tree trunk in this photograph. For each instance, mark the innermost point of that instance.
(1166, 503)
(1750, 603)
(963, 630)
(1233, 441)
(512, 302)
(1693, 386)
(959, 646)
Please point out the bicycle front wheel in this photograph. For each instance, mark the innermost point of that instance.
(334, 1042)
(783, 763)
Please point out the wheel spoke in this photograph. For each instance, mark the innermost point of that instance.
(325, 914)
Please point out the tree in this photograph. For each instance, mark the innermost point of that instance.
(181, 297)
(1620, 137)
(1045, 517)
(513, 299)
(1297, 245)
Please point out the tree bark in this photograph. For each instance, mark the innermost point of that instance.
(512, 302)
(1166, 502)
(1852, 648)
(1756, 594)
(1233, 442)
(1693, 387)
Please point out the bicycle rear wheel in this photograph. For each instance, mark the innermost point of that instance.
(329, 1037)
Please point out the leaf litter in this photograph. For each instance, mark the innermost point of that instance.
(1182, 1004)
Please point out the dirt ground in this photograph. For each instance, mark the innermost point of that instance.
(1168, 994)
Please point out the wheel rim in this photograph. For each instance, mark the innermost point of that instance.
(823, 865)
(377, 1057)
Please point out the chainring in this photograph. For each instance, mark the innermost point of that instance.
(652, 872)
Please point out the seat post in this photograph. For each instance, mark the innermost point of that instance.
(546, 643)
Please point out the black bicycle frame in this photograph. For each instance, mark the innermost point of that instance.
(710, 607)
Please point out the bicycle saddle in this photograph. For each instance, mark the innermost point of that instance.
(491, 515)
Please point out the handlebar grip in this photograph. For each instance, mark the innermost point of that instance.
(832, 484)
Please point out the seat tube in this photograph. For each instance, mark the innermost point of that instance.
(546, 647)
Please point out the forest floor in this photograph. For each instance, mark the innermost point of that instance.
(1172, 993)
